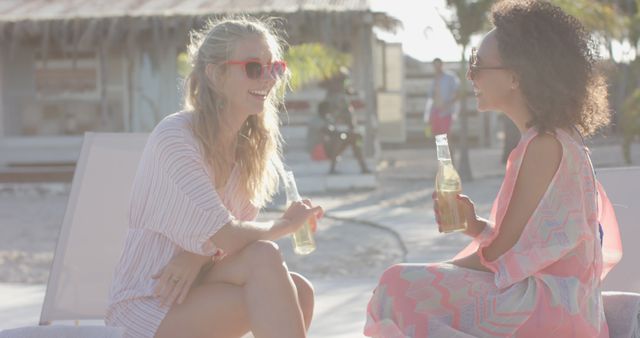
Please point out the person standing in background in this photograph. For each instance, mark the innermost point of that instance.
(442, 98)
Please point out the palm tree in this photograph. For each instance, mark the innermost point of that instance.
(312, 62)
(468, 18)
(616, 20)
(600, 17)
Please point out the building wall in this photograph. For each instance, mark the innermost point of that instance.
(156, 89)
(37, 99)
(138, 93)
(18, 87)
(141, 86)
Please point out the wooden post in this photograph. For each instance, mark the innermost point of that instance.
(366, 34)
(3, 50)
(126, 89)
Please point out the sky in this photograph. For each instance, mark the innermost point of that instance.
(425, 35)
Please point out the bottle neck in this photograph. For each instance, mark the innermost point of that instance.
(292, 194)
(291, 189)
(443, 153)
(445, 162)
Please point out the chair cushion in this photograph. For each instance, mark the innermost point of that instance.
(64, 332)
(622, 310)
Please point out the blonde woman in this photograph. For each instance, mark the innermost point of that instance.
(203, 176)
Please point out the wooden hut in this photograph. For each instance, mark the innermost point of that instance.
(71, 66)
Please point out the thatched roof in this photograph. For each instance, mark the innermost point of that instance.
(21, 10)
(85, 23)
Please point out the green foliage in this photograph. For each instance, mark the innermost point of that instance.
(615, 20)
(634, 24)
(312, 62)
(596, 16)
(630, 122)
(184, 67)
(470, 17)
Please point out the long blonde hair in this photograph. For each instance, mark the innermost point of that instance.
(259, 149)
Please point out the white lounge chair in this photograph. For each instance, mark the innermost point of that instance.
(94, 227)
(622, 284)
(91, 239)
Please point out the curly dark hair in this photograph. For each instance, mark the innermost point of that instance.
(555, 59)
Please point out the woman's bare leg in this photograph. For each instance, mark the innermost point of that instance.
(305, 297)
(219, 310)
(266, 301)
(211, 311)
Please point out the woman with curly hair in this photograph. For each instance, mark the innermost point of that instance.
(535, 268)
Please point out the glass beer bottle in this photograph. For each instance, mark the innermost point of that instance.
(303, 242)
(448, 186)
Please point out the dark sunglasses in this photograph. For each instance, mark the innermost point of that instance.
(256, 70)
(475, 68)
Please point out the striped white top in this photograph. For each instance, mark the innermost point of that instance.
(174, 207)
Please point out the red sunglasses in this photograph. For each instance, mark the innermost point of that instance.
(256, 70)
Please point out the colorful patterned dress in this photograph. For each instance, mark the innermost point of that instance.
(546, 285)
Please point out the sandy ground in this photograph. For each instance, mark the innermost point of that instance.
(30, 219)
(351, 252)
(31, 215)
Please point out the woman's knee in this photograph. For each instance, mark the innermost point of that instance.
(306, 296)
(264, 254)
(304, 287)
(392, 273)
